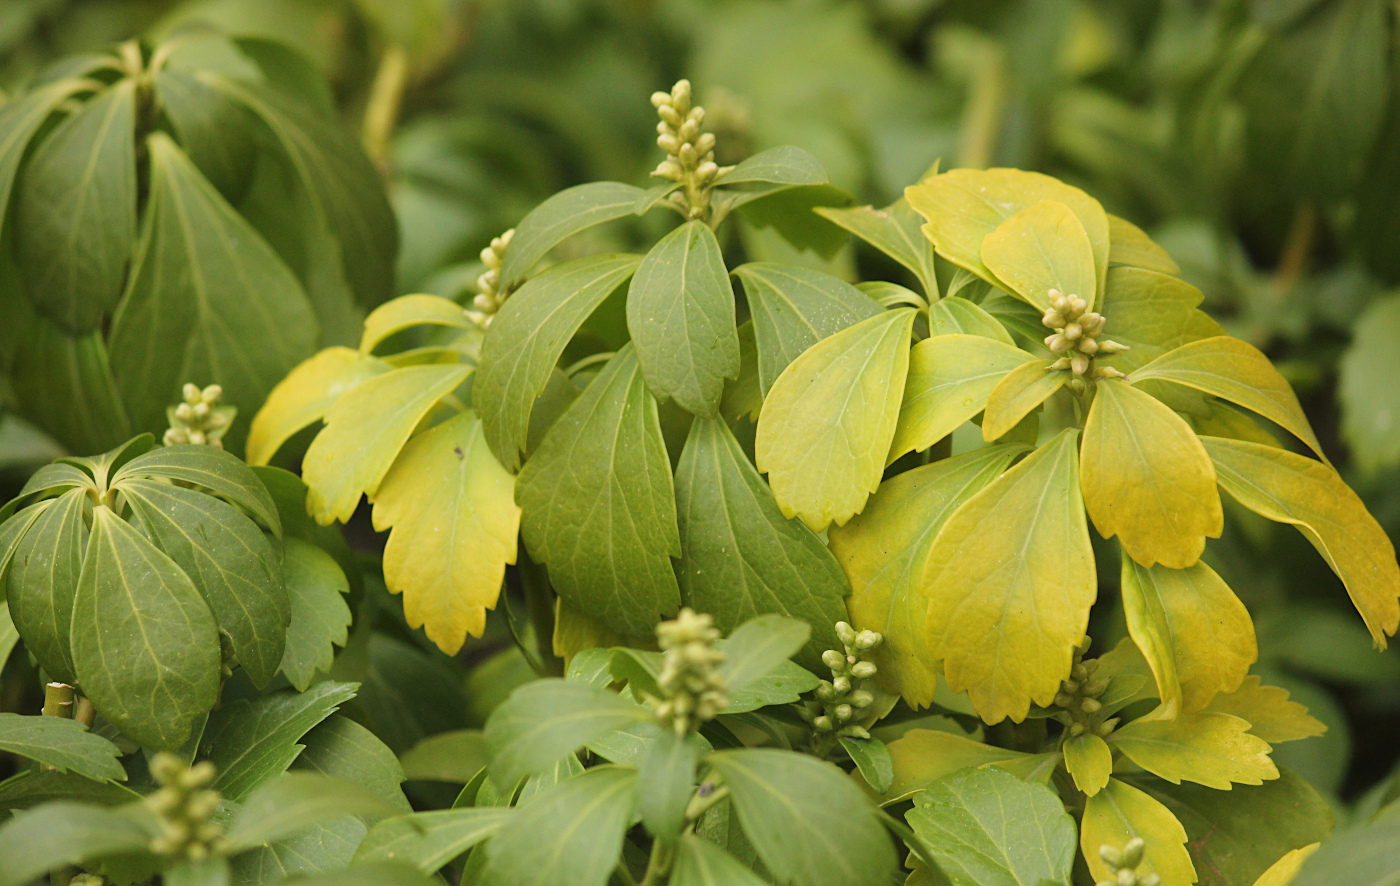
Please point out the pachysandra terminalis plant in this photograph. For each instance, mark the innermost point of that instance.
(192, 210)
(618, 414)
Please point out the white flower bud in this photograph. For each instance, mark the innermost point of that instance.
(842, 684)
(845, 633)
(184, 412)
(1088, 346)
(862, 698)
(843, 712)
(1079, 363)
(668, 143)
(706, 171)
(197, 437)
(201, 409)
(863, 670)
(1073, 331)
(833, 659)
(211, 394)
(687, 154)
(705, 143)
(688, 130)
(191, 393)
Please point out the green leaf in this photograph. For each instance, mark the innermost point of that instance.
(338, 747)
(701, 863)
(598, 505)
(561, 216)
(43, 577)
(783, 165)
(1289, 488)
(1040, 248)
(793, 308)
(1010, 580)
(75, 213)
(324, 848)
(884, 549)
(1151, 313)
(1147, 479)
(760, 646)
(65, 385)
(568, 835)
(963, 206)
(1089, 760)
(145, 645)
(894, 231)
(680, 311)
(740, 557)
(207, 872)
(1236, 371)
(665, 781)
(387, 874)
(292, 802)
(788, 210)
(305, 396)
(61, 744)
(343, 187)
(791, 805)
(429, 840)
(1121, 812)
(365, 430)
(229, 560)
(1129, 245)
(320, 617)
(544, 720)
(986, 827)
(827, 424)
(783, 685)
(1315, 97)
(408, 311)
(1370, 403)
(220, 472)
(215, 133)
(204, 278)
(59, 834)
(1017, 395)
(1207, 748)
(455, 525)
(1365, 855)
(952, 314)
(454, 757)
(252, 741)
(1235, 835)
(527, 337)
(1195, 633)
(20, 118)
(872, 758)
(950, 378)
(8, 635)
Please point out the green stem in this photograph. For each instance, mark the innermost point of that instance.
(982, 116)
(382, 109)
(58, 700)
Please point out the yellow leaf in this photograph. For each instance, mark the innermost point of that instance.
(1205, 747)
(1128, 675)
(1195, 633)
(1010, 581)
(411, 310)
(828, 421)
(305, 396)
(1282, 872)
(1229, 421)
(574, 632)
(1089, 761)
(455, 522)
(1040, 248)
(950, 377)
(1269, 712)
(963, 206)
(1289, 488)
(921, 756)
(1129, 245)
(952, 314)
(1236, 371)
(1121, 812)
(364, 432)
(1147, 479)
(1018, 393)
(883, 551)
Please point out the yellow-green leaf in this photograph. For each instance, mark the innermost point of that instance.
(827, 423)
(1290, 488)
(305, 396)
(1018, 393)
(921, 756)
(963, 206)
(894, 231)
(1208, 748)
(574, 632)
(411, 310)
(1147, 479)
(1121, 812)
(1230, 421)
(884, 549)
(952, 314)
(1152, 313)
(1269, 712)
(1040, 248)
(1129, 245)
(1195, 633)
(1089, 761)
(455, 522)
(950, 377)
(1237, 371)
(364, 432)
(1282, 872)
(1010, 581)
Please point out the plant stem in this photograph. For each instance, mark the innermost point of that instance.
(1302, 234)
(982, 115)
(58, 700)
(382, 109)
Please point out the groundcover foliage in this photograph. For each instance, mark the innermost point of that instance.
(692, 553)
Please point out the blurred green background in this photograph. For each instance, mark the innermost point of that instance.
(1258, 140)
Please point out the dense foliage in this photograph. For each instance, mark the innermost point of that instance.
(721, 528)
